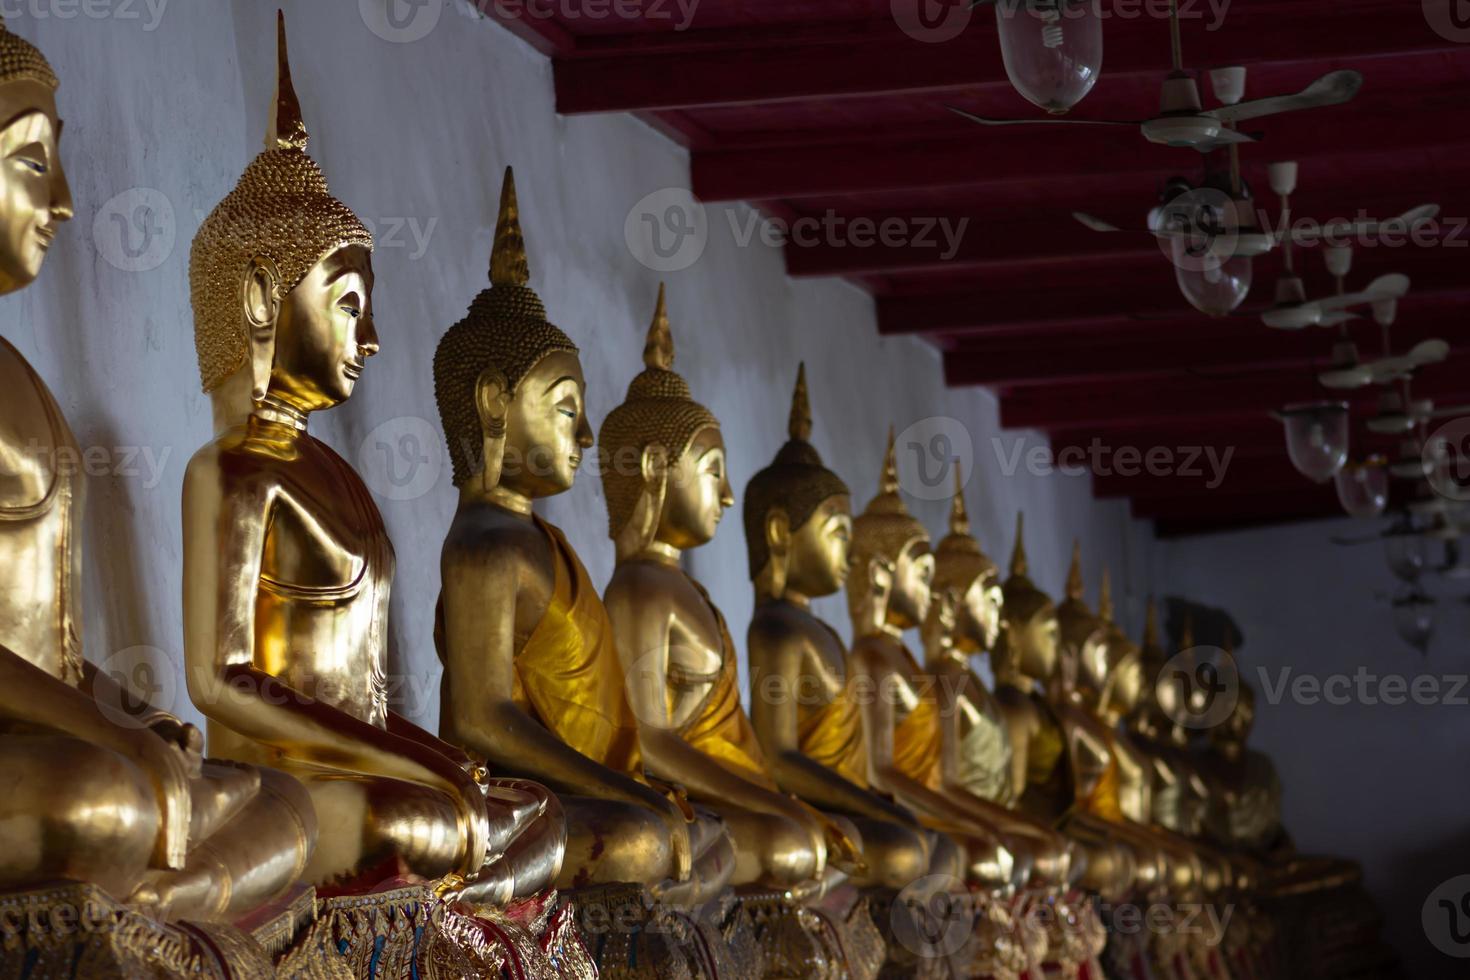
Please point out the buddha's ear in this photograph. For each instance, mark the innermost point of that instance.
(492, 402)
(260, 296)
(642, 527)
(778, 550)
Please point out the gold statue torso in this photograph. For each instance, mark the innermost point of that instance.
(985, 753)
(41, 494)
(326, 568)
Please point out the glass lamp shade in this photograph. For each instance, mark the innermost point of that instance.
(1407, 553)
(1213, 285)
(1317, 438)
(1413, 618)
(1362, 488)
(1052, 49)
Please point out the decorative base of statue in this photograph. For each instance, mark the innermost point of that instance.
(934, 938)
(629, 936)
(73, 929)
(409, 930)
(836, 940)
(1332, 924)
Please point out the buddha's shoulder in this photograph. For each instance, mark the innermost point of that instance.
(486, 533)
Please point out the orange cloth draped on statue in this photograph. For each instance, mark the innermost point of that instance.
(720, 728)
(832, 735)
(918, 739)
(568, 676)
(1105, 800)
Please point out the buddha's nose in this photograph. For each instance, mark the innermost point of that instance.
(367, 337)
(61, 205)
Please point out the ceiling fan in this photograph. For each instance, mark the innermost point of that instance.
(1347, 372)
(1292, 310)
(1182, 121)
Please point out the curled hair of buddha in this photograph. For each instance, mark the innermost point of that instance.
(1023, 600)
(22, 60)
(958, 561)
(885, 528)
(659, 411)
(280, 211)
(796, 481)
(1077, 623)
(505, 330)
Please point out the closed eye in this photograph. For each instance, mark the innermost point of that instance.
(351, 311)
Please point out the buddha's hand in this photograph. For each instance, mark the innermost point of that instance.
(681, 844)
(186, 738)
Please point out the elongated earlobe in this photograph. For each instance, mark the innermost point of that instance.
(492, 401)
(261, 301)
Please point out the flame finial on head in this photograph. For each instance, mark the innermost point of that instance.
(288, 129)
(1105, 597)
(1186, 633)
(1151, 624)
(658, 350)
(1018, 553)
(508, 264)
(799, 427)
(888, 482)
(1075, 587)
(959, 518)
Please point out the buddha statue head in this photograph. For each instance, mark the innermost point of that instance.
(1121, 688)
(34, 196)
(1159, 699)
(798, 516)
(1030, 632)
(891, 556)
(965, 572)
(662, 456)
(281, 281)
(509, 383)
(1231, 735)
(1084, 648)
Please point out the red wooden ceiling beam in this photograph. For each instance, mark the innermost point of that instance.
(1210, 348)
(687, 68)
(1376, 150)
(1057, 406)
(1171, 473)
(1306, 499)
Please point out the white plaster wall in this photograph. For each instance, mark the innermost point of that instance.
(1385, 783)
(415, 135)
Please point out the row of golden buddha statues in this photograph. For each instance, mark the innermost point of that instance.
(595, 746)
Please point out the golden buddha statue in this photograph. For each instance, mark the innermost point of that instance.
(975, 758)
(1025, 661)
(1181, 797)
(889, 593)
(805, 709)
(287, 566)
(667, 485)
(532, 678)
(127, 804)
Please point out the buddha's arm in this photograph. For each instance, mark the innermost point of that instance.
(30, 697)
(224, 533)
(641, 629)
(878, 682)
(479, 654)
(776, 682)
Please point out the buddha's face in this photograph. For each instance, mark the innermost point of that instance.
(1039, 638)
(912, 574)
(1092, 660)
(1128, 685)
(818, 558)
(546, 430)
(979, 614)
(34, 196)
(324, 332)
(1237, 727)
(697, 491)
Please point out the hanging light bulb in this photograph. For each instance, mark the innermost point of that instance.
(1362, 488)
(1052, 49)
(1212, 284)
(1413, 618)
(1316, 438)
(1406, 552)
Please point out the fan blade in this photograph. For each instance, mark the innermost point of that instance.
(985, 121)
(1347, 378)
(1334, 88)
(1337, 319)
(1430, 351)
(1095, 223)
(1392, 286)
(1339, 230)
(1225, 137)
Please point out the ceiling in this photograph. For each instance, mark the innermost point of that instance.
(827, 107)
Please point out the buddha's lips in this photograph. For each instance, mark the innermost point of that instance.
(353, 371)
(576, 459)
